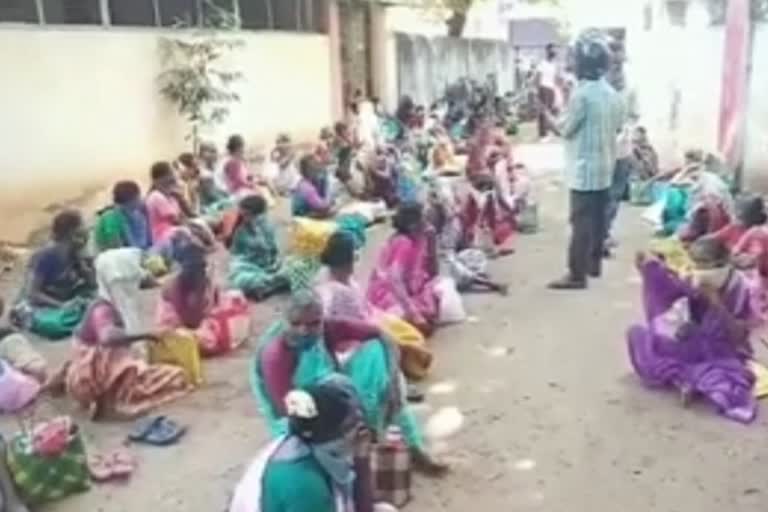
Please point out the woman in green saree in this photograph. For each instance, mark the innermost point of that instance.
(314, 467)
(125, 223)
(59, 281)
(257, 269)
(304, 348)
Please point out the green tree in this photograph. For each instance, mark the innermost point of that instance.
(196, 77)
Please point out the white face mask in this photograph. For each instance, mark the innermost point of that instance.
(713, 277)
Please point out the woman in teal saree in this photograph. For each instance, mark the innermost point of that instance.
(305, 348)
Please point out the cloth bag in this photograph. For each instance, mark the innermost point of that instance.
(58, 323)
(310, 236)
(45, 478)
(228, 326)
(415, 356)
(451, 306)
(179, 348)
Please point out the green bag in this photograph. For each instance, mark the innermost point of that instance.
(58, 323)
(42, 479)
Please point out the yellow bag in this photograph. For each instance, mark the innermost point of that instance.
(179, 348)
(674, 254)
(310, 236)
(761, 379)
(415, 356)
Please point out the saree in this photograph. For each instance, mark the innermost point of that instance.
(62, 276)
(310, 199)
(256, 268)
(487, 213)
(256, 482)
(371, 366)
(121, 227)
(346, 300)
(404, 263)
(702, 358)
(112, 378)
(224, 326)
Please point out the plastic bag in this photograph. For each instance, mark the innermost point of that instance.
(451, 306)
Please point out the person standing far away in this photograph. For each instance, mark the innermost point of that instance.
(589, 126)
(547, 77)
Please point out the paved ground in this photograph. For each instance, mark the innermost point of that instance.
(546, 413)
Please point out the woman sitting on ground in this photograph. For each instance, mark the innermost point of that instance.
(104, 375)
(696, 339)
(190, 302)
(645, 157)
(404, 278)
(237, 176)
(283, 171)
(256, 268)
(307, 347)
(59, 281)
(126, 222)
(343, 299)
(165, 204)
(711, 206)
(311, 197)
(316, 456)
(748, 242)
(467, 266)
(382, 175)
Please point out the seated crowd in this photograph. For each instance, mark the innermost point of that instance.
(331, 376)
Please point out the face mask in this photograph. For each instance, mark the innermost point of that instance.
(258, 222)
(302, 341)
(336, 457)
(712, 277)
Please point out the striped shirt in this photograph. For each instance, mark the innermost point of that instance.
(589, 127)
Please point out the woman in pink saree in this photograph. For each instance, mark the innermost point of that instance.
(403, 280)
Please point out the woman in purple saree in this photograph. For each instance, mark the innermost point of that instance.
(707, 353)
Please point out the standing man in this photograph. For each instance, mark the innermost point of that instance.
(589, 127)
(547, 78)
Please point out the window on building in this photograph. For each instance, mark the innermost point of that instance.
(286, 14)
(320, 15)
(136, 13)
(255, 14)
(18, 11)
(677, 10)
(647, 17)
(215, 12)
(175, 12)
(74, 12)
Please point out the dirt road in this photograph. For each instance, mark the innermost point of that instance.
(551, 417)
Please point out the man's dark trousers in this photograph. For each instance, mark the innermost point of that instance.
(588, 231)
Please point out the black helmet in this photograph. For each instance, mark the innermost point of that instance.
(591, 55)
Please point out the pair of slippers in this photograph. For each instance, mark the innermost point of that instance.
(157, 431)
(115, 465)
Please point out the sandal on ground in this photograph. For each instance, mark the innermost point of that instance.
(157, 431)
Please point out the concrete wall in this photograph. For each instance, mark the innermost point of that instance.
(426, 66)
(80, 109)
(676, 72)
(483, 22)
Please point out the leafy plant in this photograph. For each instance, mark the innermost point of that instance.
(196, 77)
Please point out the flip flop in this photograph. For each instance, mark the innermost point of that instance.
(157, 431)
(118, 464)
